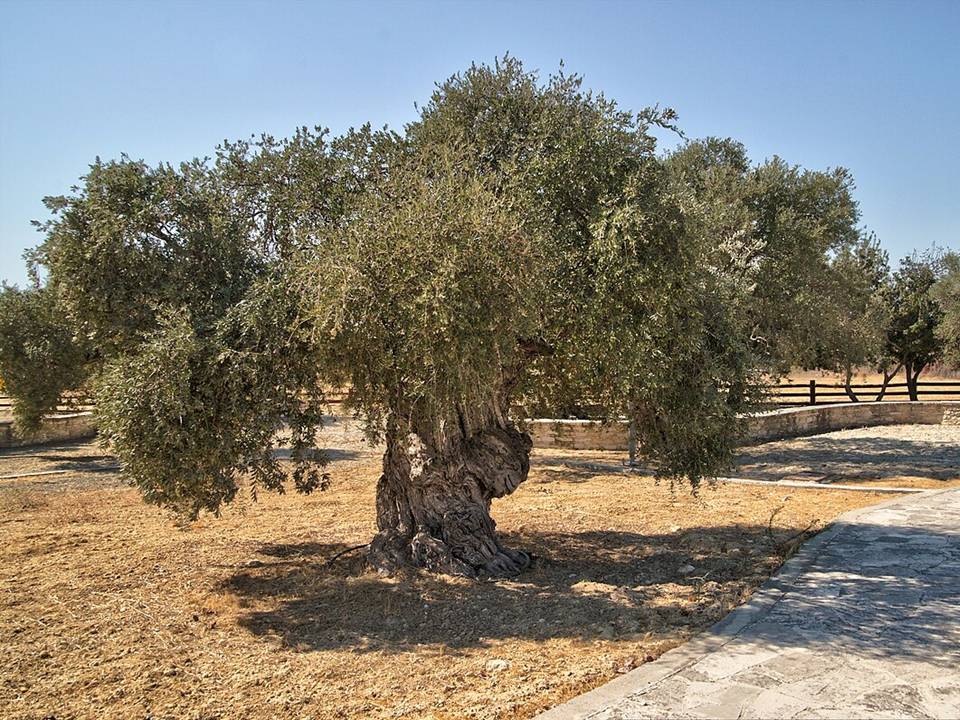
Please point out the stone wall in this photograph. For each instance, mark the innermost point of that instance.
(790, 422)
(594, 435)
(793, 422)
(578, 434)
(55, 428)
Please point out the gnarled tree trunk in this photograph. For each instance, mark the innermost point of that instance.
(433, 499)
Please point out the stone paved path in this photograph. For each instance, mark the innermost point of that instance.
(863, 623)
(870, 453)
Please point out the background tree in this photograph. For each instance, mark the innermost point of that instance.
(40, 354)
(854, 316)
(176, 279)
(947, 293)
(781, 236)
(912, 340)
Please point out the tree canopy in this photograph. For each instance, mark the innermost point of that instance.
(523, 243)
(914, 314)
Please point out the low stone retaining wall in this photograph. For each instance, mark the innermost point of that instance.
(578, 434)
(793, 422)
(54, 428)
(595, 435)
(790, 422)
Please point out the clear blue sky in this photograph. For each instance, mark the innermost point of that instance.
(873, 86)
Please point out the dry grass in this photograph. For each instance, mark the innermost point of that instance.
(108, 610)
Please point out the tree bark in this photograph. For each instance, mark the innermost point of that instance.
(433, 499)
(887, 377)
(913, 376)
(847, 384)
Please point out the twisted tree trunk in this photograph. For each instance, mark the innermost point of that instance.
(848, 384)
(433, 499)
(887, 377)
(913, 377)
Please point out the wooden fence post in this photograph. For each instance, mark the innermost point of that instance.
(813, 392)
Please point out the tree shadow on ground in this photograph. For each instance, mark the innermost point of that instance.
(71, 451)
(814, 458)
(586, 586)
(850, 458)
(331, 454)
(79, 462)
(567, 473)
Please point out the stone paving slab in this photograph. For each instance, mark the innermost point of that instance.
(864, 622)
(866, 453)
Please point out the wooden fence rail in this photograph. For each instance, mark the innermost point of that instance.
(804, 394)
(814, 393)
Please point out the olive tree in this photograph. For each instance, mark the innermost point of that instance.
(177, 279)
(774, 230)
(947, 293)
(854, 315)
(521, 243)
(40, 355)
(624, 284)
(914, 315)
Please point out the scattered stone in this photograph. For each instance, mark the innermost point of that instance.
(686, 569)
(497, 665)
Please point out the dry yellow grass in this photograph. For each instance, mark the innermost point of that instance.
(109, 610)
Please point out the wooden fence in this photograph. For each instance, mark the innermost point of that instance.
(72, 404)
(827, 393)
(67, 404)
(803, 394)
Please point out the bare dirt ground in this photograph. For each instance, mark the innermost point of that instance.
(918, 456)
(108, 609)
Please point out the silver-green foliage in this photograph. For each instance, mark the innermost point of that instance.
(40, 355)
(177, 279)
(553, 258)
(947, 293)
(776, 233)
(522, 241)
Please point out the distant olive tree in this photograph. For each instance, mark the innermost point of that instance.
(41, 356)
(914, 314)
(522, 242)
(787, 240)
(854, 315)
(947, 294)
